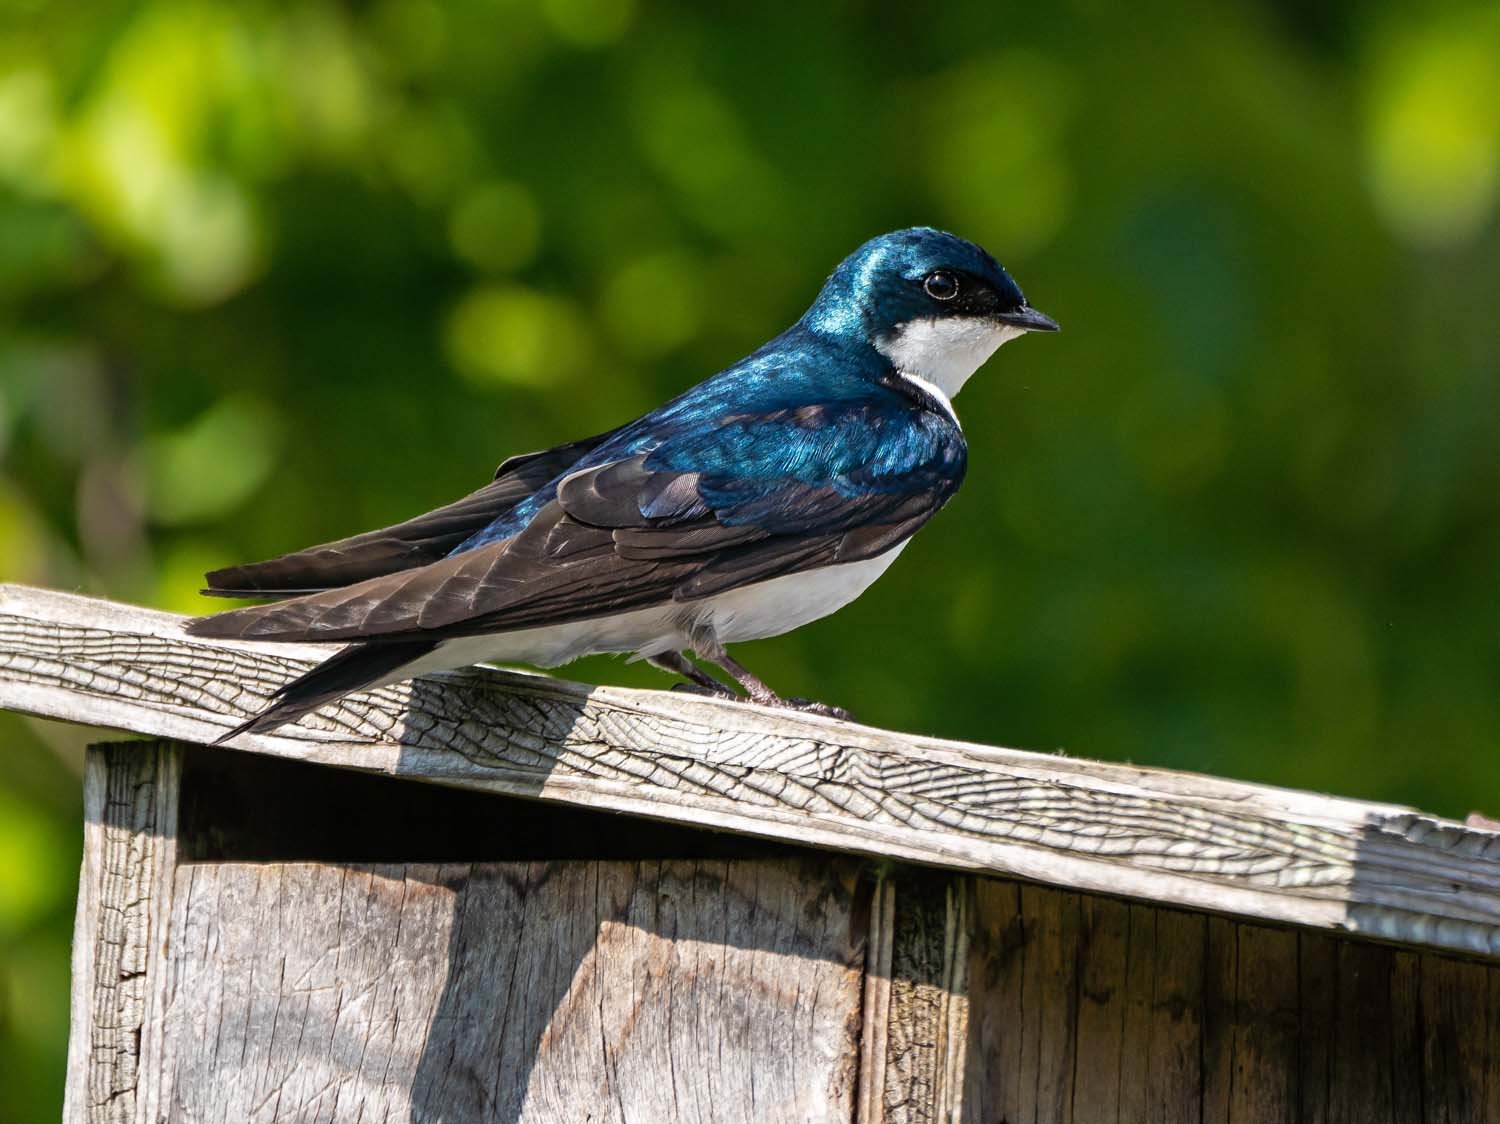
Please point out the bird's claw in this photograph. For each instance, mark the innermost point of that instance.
(812, 706)
(704, 692)
(807, 707)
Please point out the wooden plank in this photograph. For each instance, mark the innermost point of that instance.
(130, 795)
(1220, 1013)
(1407, 1093)
(1492, 1047)
(1361, 1077)
(875, 1033)
(1090, 1011)
(1267, 1011)
(1456, 1010)
(1103, 1050)
(1318, 979)
(916, 1001)
(1049, 1002)
(953, 996)
(1178, 964)
(1161, 969)
(1138, 1013)
(995, 1086)
(702, 991)
(1152, 835)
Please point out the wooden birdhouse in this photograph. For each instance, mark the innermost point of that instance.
(490, 897)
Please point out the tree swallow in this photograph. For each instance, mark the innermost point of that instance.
(763, 498)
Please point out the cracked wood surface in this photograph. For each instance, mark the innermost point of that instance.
(1153, 835)
(130, 839)
(497, 993)
(917, 1023)
(926, 1037)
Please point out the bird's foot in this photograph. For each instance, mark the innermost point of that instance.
(812, 706)
(806, 706)
(716, 692)
(756, 691)
(699, 681)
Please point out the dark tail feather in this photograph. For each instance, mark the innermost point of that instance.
(416, 542)
(351, 668)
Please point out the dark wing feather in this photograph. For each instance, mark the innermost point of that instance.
(655, 528)
(556, 562)
(416, 542)
(547, 465)
(350, 669)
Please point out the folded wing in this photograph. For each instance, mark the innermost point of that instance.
(404, 546)
(714, 509)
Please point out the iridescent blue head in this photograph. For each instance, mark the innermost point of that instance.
(935, 305)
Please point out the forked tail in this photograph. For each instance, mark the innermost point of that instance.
(350, 669)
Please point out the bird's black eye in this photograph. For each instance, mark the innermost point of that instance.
(940, 285)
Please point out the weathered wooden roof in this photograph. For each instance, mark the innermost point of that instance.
(1157, 835)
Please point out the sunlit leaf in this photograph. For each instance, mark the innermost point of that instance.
(516, 335)
(24, 552)
(214, 464)
(33, 877)
(179, 575)
(1434, 129)
(496, 226)
(28, 127)
(652, 306)
(996, 130)
(696, 141)
(589, 23)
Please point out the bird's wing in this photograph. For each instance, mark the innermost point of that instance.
(416, 542)
(715, 508)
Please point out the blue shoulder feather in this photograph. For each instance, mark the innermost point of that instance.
(800, 437)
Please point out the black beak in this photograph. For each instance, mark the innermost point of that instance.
(1028, 318)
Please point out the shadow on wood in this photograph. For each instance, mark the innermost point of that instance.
(662, 988)
(506, 992)
(672, 968)
(239, 807)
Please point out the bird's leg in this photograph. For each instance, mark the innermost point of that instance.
(707, 646)
(702, 682)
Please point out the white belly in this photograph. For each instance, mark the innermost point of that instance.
(765, 609)
(782, 604)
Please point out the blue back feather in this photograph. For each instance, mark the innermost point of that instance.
(812, 408)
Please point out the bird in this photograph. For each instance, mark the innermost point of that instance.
(763, 498)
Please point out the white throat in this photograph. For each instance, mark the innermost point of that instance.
(940, 354)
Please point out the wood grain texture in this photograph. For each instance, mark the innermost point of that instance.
(130, 798)
(1266, 1025)
(1089, 1011)
(1152, 835)
(704, 991)
(1104, 930)
(1172, 1046)
(874, 1037)
(996, 1088)
(915, 1034)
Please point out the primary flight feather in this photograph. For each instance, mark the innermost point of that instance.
(763, 498)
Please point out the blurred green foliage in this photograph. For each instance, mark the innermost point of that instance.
(270, 274)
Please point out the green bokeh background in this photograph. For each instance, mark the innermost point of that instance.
(271, 274)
